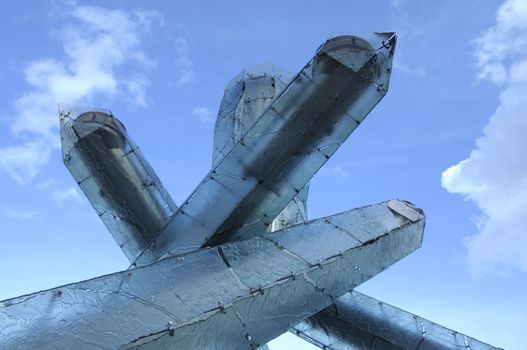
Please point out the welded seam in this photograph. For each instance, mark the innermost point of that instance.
(285, 250)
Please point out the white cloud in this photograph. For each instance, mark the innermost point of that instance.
(96, 43)
(20, 215)
(137, 89)
(494, 176)
(404, 24)
(60, 196)
(505, 40)
(203, 114)
(416, 71)
(407, 29)
(23, 162)
(183, 62)
(336, 170)
(58, 193)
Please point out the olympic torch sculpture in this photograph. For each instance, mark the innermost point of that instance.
(239, 263)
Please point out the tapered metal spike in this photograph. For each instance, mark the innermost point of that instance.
(239, 295)
(298, 132)
(112, 172)
(359, 322)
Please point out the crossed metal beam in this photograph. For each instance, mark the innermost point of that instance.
(238, 263)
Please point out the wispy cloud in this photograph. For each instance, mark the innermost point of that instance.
(406, 28)
(504, 44)
(96, 42)
(60, 196)
(203, 114)
(336, 170)
(418, 72)
(58, 192)
(20, 215)
(184, 62)
(23, 162)
(405, 25)
(397, 4)
(494, 176)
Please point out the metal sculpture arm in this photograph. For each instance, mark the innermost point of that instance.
(238, 295)
(120, 184)
(295, 135)
(359, 322)
(271, 137)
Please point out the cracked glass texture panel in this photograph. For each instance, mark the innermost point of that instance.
(359, 322)
(208, 299)
(295, 135)
(114, 175)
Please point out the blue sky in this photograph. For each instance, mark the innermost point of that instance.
(449, 136)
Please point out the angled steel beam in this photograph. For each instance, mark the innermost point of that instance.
(297, 133)
(359, 322)
(119, 182)
(245, 98)
(239, 295)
